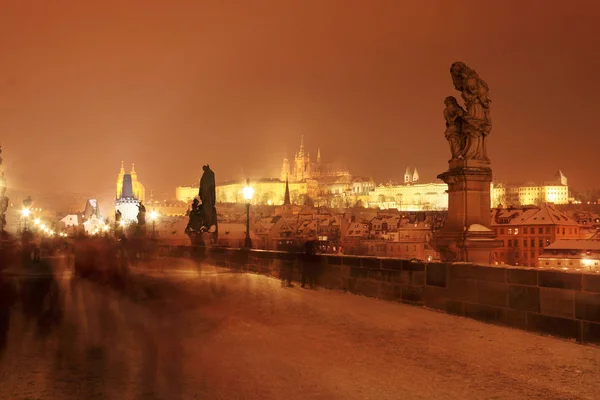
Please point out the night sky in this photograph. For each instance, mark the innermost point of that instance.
(172, 85)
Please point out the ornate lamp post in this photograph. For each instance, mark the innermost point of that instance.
(248, 192)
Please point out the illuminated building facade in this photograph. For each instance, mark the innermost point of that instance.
(573, 254)
(410, 197)
(527, 231)
(555, 191)
(127, 203)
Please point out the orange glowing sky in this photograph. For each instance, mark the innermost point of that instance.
(171, 85)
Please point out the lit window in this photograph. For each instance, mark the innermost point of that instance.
(510, 231)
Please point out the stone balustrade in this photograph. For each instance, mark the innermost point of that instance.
(559, 303)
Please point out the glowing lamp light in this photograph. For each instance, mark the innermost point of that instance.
(105, 228)
(36, 221)
(153, 215)
(248, 191)
(122, 223)
(25, 212)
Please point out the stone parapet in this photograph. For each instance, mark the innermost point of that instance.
(559, 303)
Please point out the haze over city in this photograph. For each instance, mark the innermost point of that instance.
(171, 86)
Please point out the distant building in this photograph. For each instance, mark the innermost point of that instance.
(410, 196)
(411, 175)
(572, 254)
(527, 231)
(137, 188)
(127, 203)
(554, 191)
(71, 220)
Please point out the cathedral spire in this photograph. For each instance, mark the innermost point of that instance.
(301, 152)
(286, 198)
(122, 171)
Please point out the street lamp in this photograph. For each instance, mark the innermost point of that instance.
(153, 217)
(25, 213)
(248, 192)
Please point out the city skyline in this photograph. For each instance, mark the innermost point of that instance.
(94, 86)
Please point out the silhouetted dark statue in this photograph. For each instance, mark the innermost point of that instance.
(118, 217)
(141, 217)
(203, 217)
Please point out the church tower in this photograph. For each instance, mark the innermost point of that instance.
(407, 175)
(415, 176)
(286, 198)
(120, 181)
(139, 191)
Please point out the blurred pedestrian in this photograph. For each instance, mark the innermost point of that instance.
(309, 264)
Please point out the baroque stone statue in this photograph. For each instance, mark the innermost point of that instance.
(467, 130)
(141, 216)
(454, 113)
(203, 217)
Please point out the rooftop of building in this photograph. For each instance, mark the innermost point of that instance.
(575, 244)
(547, 214)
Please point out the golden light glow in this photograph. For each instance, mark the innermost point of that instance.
(25, 212)
(105, 228)
(248, 192)
(36, 221)
(153, 215)
(122, 223)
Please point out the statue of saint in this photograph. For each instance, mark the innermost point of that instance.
(118, 216)
(476, 122)
(203, 216)
(453, 113)
(141, 217)
(207, 187)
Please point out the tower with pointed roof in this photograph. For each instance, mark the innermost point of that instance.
(286, 197)
(139, 190)
(120, 181)
(301, 169)
(407, 175)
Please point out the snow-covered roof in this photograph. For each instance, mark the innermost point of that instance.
(575, 244)
(544, 215)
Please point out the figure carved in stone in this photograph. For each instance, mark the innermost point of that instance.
(207, 191)
(141, 216)
(476, 123)
(453, 113)
(203, 217)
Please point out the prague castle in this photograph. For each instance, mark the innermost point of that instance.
(329, 185)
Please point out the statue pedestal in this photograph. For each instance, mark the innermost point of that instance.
(466, 236)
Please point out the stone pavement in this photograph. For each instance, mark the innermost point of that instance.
(190, 332)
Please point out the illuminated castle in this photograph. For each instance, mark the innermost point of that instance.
(302, 168)
(139, 191)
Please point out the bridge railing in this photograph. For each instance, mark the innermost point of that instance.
(560, 303)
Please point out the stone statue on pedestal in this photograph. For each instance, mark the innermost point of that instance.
(466, 236)
(141, 216)
(468, 129)
(203, 217)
